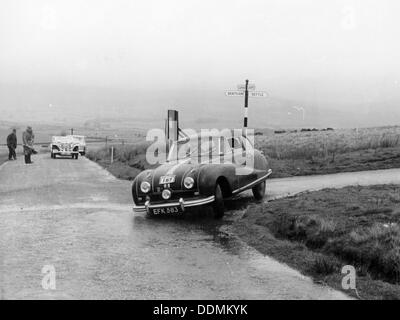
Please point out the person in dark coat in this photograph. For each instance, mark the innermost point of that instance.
(12, 145)
(27, 141)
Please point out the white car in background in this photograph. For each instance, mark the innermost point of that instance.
(82, 143)
(64, 146)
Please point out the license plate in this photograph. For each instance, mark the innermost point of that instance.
(166, 210)
(167, 179)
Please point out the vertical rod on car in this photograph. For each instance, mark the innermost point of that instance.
(246, 105)
(172, 128)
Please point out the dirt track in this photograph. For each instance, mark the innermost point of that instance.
(75, 216)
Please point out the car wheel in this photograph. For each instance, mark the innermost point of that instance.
(218, 206)
(259, 191)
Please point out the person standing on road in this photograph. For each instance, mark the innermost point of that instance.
(27, 141)
(12, 145)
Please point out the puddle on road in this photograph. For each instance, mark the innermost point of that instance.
(202, 228)
(211, 230)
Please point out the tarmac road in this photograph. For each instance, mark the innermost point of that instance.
(73, 215)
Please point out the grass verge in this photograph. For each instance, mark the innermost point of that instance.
(320, 232)
(3, 158)
(128, 160)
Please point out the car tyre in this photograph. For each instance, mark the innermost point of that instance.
(259, 191)
(218, 205)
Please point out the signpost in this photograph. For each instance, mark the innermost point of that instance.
(250, 87)
(258, 94)
(246, 90)
(234, 93)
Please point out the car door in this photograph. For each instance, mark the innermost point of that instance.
(244, 175)
(255, 160)
(227, 163)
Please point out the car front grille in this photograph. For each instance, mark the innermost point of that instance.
(174, 197)
(66, 147)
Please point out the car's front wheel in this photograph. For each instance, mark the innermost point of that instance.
(218, 205)
(259, 191)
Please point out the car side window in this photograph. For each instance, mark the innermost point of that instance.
(247, 145)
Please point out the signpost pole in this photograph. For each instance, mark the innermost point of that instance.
(243, 90)
(246, 107)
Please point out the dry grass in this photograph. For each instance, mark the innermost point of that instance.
(376, 249)
(293, 154)
(129, 160)
(320, 152)
(327, 144)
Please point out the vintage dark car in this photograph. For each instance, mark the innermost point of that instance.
(201, 171)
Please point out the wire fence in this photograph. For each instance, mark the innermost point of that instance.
(90, 140)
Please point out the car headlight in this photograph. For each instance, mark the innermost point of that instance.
(188, 182)
(166, 194)
(145, 187)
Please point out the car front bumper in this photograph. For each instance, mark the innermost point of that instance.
(182, 203)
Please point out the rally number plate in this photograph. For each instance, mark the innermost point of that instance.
(167, 179)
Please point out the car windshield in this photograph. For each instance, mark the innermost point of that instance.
(195, 149)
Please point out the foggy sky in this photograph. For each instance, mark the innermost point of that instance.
(146, 56)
